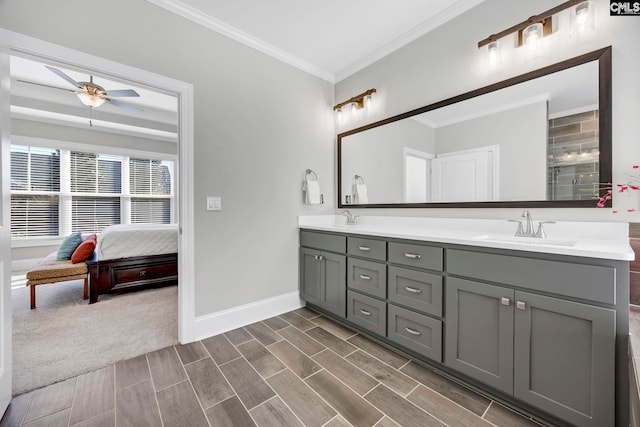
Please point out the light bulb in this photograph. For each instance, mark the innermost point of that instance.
(582, 18)
(354, 108)
(368, 101)
(339, 117)
(90, 100)
(532, 41)
(493, 55)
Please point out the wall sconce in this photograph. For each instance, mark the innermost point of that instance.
(531, 31)
(354, 104)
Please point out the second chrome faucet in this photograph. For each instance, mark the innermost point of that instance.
(526, 229)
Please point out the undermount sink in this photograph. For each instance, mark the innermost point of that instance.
(501, 238)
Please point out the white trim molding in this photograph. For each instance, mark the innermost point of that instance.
(431, 24)
(18, 44)
(207, 21)
(232, 318)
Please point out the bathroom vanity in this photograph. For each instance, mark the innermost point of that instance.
(540, 324)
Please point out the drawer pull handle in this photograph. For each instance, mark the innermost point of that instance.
(143, 273)
(412, 256)
(364, 248)
(365, 277)
(505, 301)
(413, 331)
(365, 312)
(520, 305)
(413, 290)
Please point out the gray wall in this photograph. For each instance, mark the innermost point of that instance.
(447, 62)
(259, 123)
(377, 156)
(521, 134)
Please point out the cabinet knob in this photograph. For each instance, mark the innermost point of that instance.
(365, 312)
(364, 248)
(520, 305)
(505, 301)
(365, 277)
(319, 257)
(413, 290)
(412, 256)
(143, 273)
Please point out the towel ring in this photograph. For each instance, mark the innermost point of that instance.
(312, 173)
(358, 179)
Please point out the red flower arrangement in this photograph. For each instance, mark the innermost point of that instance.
(632, 185)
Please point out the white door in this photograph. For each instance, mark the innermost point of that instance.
(417, 176)
(5, 236)
(465, 176)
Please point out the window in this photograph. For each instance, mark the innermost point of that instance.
(55, 191)
(35, 188)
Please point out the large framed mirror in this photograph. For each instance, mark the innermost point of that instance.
(541, 139)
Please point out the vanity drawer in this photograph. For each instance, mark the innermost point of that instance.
(367, 312)
(429, 257)
(328, 242)
(367, 248)
(416, 289)
(590, 282)
(414, 331)
(367, 276)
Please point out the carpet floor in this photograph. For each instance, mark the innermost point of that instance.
(65, 336)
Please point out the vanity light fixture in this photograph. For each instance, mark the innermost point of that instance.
(354, 104)
(538, 26)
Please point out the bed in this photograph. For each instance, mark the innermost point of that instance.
(133, 256)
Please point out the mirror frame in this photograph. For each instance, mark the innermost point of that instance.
(603, 56)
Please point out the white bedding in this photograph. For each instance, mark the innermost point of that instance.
(128, 240)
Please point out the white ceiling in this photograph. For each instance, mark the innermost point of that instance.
(331, 38)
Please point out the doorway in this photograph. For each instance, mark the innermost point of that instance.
(20, 45)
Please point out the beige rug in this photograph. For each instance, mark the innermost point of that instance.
(65, 336)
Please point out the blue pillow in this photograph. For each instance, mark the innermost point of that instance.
(70, 243)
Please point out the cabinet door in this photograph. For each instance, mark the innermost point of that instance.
(479, 332)
(310, 275)
(565, 358)
(333, 283)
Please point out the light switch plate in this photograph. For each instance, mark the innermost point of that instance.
(214, 203)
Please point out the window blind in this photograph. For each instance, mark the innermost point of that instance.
(34, 215)
(95, 173)
(92, 214)
(157, 211)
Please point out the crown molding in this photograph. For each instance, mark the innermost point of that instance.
(429, 25)
(207, 21)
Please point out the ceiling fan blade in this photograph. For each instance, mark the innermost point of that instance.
(42, 84)
(121, 92)
(125, 106)
(60, 73)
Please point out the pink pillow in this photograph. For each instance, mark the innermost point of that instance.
(85, 249)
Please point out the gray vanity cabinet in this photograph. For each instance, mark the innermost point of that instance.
(539, 331)
(322, 273)
(564, 358)
(554, 354)
(479, 332)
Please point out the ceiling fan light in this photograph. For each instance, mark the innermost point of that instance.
(91, 100)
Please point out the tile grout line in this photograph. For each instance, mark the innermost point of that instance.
(235, 393)
(155, 392)
(487, 409)
(195, 394)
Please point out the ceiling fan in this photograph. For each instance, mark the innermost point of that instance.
(91, 94)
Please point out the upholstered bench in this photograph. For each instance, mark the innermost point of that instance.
(50, 270)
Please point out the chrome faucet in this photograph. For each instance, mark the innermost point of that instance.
(351, 219)
(528, 224)
(526, 230)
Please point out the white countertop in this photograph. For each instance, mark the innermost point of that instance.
(606, 240)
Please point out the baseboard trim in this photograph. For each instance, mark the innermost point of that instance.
(24, 264)
(232, 318)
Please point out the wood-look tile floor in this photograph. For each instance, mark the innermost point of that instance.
(297, 369)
